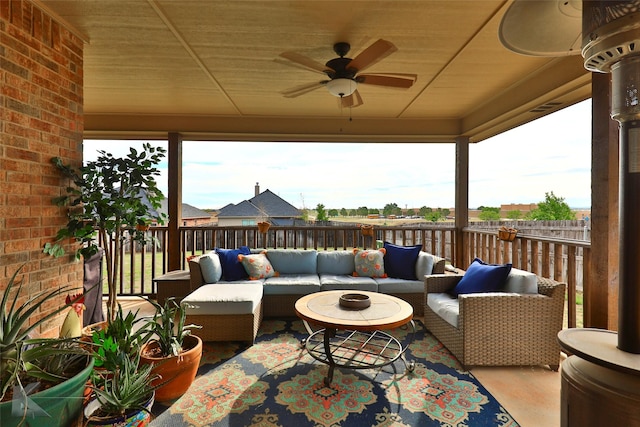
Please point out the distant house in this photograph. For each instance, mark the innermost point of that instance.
(263, 206)
(191, 216)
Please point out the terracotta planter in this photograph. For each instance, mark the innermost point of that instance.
(177, 372)
(367, 230)
(142, 227)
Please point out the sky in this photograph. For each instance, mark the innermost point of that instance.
(551, 154)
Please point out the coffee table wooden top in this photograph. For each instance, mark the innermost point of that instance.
(324, 309)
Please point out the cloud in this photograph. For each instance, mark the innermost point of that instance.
(519, 166)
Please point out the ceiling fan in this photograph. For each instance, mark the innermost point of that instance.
(343, 72)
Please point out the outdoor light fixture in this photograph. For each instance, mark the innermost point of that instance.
(341, 87)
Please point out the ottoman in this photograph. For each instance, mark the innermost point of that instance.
(226, 311)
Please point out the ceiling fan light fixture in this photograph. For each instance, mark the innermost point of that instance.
(341, 87)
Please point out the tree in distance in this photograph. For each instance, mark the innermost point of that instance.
(488, 213)
(514, 214)
(552, 208)
(321, 213)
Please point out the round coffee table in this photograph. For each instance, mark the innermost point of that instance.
(354, 338)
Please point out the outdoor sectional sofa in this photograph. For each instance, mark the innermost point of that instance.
(517, 324)
(232, 310)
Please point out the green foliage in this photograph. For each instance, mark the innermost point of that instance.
(111, 195)
(373, 211)
(168, 333)
(321, 213)
(363, 211)
(343, 212)
(436, 215)
(423, 211)
(390, 209)
(514, 214)
(121, 339)
(411, 212)
(333, 212)
(489, 213)
(21, 355)
(552, 208)
(353, 212)
(128, 387)
(433, 216)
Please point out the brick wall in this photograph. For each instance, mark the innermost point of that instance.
(40, 117)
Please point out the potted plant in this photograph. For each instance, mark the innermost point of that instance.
(122, 389)
(263, 223)
(39, 377)
(120, 337)
(115, 197)
(123, 396)
(173, 351)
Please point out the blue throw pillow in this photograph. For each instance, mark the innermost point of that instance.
(232, 269)
(482, 277)
(400, 261)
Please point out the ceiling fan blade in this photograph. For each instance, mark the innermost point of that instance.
(351, 101)
(380, 49)
(304, 62)
(302, 89)
(391, 80)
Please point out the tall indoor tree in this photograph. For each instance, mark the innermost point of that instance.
(117, 198)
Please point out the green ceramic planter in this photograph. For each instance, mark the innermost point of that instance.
(60, 405)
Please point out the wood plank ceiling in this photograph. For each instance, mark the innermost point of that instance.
(211, 70)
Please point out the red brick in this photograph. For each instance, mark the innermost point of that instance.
(21, 245)
(5, 10)
(18, 154)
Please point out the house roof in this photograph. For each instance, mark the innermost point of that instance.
(264, 204)
(188, 211)
(213, 70)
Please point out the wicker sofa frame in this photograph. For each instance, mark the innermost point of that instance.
(244, 327)
(500, 330)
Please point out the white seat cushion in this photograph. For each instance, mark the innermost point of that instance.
(445, 306)
(224, 298)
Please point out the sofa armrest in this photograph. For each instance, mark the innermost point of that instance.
(195, 274)
(500, 313)
(439, 283)
(438, 265)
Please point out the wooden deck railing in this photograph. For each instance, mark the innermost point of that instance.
(564, 260)
(560, 259)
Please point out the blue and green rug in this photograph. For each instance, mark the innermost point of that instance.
(276, 383)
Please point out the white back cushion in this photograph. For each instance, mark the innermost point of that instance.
(521, 282)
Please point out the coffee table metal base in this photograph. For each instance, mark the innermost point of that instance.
(356, 349)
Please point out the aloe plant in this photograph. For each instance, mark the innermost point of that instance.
(127, 388)
(168, 333)
(20, 354)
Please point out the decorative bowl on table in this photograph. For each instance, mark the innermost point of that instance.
(355, 301)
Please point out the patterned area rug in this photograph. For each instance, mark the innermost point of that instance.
(276, 382)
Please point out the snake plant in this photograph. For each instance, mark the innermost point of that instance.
(170, 333)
